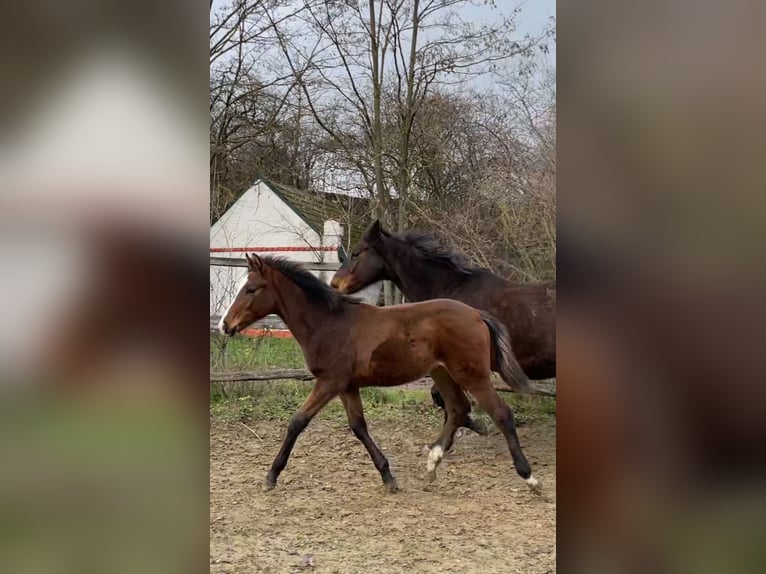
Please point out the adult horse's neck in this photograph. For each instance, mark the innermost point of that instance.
(417, 277)
(301, 313)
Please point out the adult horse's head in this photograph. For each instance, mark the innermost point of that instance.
(253, 301)
(365, 265)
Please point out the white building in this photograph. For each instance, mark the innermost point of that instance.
(273, 219)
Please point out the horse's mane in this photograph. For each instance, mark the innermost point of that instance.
(428, 245)
(311, 285)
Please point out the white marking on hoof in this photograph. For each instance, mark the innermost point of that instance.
(434, 458)
(533, 484)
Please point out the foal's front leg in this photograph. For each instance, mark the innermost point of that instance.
(355, 412)
(321, 394)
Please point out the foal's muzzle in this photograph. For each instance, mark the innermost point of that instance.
(227, 330)
(340, 284)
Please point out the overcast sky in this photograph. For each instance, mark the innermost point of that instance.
(533, 18)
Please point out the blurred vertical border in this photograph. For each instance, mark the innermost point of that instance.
(661, 200)
(103, 242)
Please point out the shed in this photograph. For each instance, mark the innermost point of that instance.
(274, 219)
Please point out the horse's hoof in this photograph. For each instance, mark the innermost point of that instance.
(434, 458)
(391, 485)
(534, 485)
(269, 484)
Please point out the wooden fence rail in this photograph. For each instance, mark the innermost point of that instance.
(242, 262)
(305, 375)
(275, 375)
(269, 322)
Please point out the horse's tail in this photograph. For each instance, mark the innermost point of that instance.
(506, 362)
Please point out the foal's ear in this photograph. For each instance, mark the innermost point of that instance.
(254, 262)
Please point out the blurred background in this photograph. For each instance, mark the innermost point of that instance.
(660, 324)
(103, 215)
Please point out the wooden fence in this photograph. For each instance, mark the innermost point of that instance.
(538, 389)
(242, 262)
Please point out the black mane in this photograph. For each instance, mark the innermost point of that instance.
(311, 285)
(430, 246)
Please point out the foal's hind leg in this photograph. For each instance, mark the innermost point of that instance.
(448, 399)
(501, 413)
(355, 412)
(456, 409)
(466, 421)
(320, 395)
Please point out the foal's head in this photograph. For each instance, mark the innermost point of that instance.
(254, 300)
(365, 266)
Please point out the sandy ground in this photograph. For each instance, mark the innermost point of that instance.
(330, 512)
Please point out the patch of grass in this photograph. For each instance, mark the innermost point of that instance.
(279, 400)
(526, 409)
(244, 353)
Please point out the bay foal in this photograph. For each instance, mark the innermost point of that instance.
(348, 345)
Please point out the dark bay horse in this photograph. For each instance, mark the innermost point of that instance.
(349, 345)
(424, 267)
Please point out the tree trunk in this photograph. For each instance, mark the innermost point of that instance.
(382, 210)
(408, 116)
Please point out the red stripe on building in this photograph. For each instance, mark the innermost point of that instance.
(268, 249)
(277, 334)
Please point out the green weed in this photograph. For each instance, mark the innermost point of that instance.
(279, 400)
(251, 353)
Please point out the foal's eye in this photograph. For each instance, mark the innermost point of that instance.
(251, 290)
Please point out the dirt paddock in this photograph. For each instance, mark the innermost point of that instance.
(330, 513)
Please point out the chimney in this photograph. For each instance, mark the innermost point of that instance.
(332, 234)
(331, 237)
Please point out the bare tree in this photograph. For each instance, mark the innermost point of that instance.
(353, 57)
(359, 52)
(248, 96)
(489, 164)
(454, 52)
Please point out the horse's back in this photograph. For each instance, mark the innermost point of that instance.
(433, 306)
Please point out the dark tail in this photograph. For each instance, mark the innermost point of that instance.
(506, 363)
